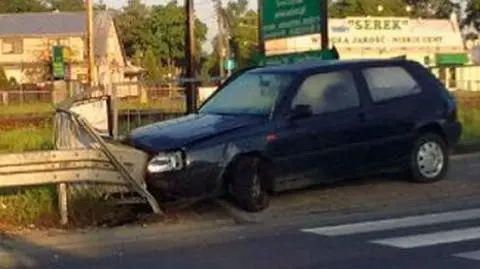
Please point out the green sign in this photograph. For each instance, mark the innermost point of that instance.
(287, 18)
(58, 62)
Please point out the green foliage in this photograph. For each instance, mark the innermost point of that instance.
(132, 23)
(419, 8)
(66, 5)
(152, 64)
(241, 24)
(20, 6)
(166, 33)
(439, 9)
(472, 14)
(160, 28)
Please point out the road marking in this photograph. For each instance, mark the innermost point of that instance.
(430, 239)
(473, 255)
(397, 223)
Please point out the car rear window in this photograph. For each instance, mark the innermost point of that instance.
(386, 83)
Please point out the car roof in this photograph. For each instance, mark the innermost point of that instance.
(311, 65)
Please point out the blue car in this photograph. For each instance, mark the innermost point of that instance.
(271, 129)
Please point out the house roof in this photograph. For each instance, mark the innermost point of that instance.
(57, 23)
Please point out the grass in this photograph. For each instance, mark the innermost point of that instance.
(29, 206)
(167, 105)
(470, 119)
(26, 108)
(26, 139)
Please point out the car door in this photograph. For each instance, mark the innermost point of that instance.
(328, 144)
(395, 105)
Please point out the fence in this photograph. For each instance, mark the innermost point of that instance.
(459, 78)
(144, 102)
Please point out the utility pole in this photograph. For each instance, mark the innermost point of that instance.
(89, 42)
(261, 42)
(220, 39)
(191, 95)
(324, 23)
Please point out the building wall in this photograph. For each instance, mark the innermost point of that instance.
(29, 65)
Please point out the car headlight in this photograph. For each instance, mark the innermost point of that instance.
(165, 162)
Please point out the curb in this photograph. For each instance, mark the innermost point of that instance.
(466, 148)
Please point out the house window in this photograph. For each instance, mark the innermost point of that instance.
(12, 46)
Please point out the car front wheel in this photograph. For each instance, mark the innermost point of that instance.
(248, 184)
(429, 160)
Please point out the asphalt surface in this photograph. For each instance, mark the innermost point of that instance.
(430, 234)
(439, 240)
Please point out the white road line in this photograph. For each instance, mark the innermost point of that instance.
(390, 224)
(473, 255)
(430, 239)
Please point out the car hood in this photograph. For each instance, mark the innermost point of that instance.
(183, 131)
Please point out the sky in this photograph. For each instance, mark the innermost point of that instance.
(203, 8)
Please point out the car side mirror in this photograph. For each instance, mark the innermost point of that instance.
(301, 111)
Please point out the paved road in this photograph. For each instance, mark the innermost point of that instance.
(440, 240)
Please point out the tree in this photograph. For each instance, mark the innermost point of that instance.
(241, 24)
(20, 6)
(100, 5)
(152, 66)
(166, 34)
(65, 5)
(133, 23)
(473, 14)
(346, 8)
(438, 9)
(418, 8)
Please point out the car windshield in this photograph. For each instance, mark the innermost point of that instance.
(250, 93)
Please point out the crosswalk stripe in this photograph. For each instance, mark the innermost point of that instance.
(397, 223)
(473, 255)
(430, 239)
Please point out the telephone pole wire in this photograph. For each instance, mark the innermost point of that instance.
(191, 94)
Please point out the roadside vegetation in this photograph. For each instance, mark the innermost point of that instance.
(38, 109)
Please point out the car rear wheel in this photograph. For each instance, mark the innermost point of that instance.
(429, 159)
(248, 184)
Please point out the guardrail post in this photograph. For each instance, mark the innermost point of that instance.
(63, 203)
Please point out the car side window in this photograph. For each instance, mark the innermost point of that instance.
(328, 92)
(391, 82)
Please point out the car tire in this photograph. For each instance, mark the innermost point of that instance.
(248, 184)
(429, 160)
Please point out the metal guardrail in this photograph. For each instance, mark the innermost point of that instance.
(106, 163)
